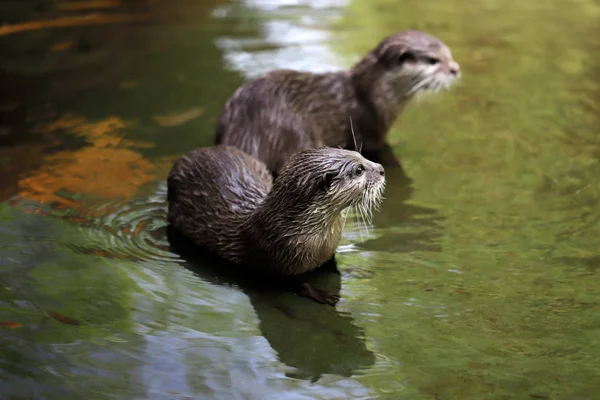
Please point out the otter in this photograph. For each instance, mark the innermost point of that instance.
(226, 201)
(281, 112)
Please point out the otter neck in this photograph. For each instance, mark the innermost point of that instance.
(308, 220)
(310, 235)
(376, 91)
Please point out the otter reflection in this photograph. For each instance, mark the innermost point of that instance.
(308, 336)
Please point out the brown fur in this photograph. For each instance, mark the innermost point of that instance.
(225, 201)
(280, 113)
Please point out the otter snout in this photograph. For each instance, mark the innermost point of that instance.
(376, 171)
(454, 68)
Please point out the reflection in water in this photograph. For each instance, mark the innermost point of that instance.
(105, 168)
(44, 281)
(403, 227)
(178, 118)
(315, 340)
(312, 338)
(284, 42)
(65, 22)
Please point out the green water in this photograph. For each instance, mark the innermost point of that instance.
(479, 283)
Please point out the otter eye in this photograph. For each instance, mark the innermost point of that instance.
(358, 170)
(431, 60)
(406, 56)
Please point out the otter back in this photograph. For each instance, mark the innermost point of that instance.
(211, 192)
(282, 112)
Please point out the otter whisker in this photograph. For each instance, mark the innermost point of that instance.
(411, 82)
(436, 86)
(378, 200)
(365, 208)
(363, 228)
(416, 88)
(362, 222)
(376, 197)
(353, 135)
(419, 85)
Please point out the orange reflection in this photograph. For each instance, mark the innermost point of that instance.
(64, 22)
(128, 84)
(178, 118)
(99, 171)
(10, 324)
(63, 319)
(108, 168)
(86, 5)
(61, 46)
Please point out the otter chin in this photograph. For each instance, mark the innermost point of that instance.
(226, 202)
(282, 112)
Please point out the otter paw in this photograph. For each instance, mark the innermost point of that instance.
(318, 295)
(329, 298)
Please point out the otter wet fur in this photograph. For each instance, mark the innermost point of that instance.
(282, 112)
(226, 202)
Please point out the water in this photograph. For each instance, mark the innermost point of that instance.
(480, 283)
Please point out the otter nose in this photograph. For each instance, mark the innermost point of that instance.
(454, 68)
(379, 169)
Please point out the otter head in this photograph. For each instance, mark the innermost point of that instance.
(354, 181)
(324, 181)
(415, 61)
(403, 65)
(300, 222)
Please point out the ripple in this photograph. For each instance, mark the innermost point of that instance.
(133, 230)
(136, 230)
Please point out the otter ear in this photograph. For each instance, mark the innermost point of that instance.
(327, 179)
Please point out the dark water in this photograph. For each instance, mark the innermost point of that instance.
(481, 283)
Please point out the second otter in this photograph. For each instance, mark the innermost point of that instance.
(283, 112)
(225, 201)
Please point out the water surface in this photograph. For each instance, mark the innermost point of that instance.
(480, 282)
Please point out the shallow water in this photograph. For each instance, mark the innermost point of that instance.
(479, 283)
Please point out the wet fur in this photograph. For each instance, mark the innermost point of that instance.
(224, 200)
(280, 113)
